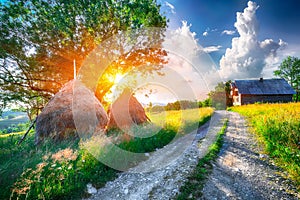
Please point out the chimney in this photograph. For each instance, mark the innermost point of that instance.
(261, 79)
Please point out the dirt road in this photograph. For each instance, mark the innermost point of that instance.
(240, 172)
(161, 176)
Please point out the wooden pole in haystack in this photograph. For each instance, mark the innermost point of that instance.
(30, 127)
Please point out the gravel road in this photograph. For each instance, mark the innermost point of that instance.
(241, 172)
(161, 176)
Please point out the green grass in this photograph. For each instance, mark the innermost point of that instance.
(59, 171)
(192, 189)
(277, 127)
(62, 170)
(165, 127)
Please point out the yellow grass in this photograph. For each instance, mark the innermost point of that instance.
(278, 129)
(182, 120)
(12, 134)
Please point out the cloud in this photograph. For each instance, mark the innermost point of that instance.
(171, 7)
(247, 56)
(228, 32)
(211, 49)
(190, 72)
(205, 33)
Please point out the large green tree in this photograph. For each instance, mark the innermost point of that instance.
(289, 69)
(39, 40)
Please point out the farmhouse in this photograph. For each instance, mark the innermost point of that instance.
(261, 90)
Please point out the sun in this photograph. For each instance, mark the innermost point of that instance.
(118, 78)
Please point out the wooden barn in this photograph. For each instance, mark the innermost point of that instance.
(261, 90)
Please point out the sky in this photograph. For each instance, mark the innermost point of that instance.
(215, 24)
(212, 41)
(243, 39)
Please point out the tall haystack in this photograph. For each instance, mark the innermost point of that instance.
(56, 120)
(126, 111)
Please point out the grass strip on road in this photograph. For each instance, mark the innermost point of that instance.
(192, 189)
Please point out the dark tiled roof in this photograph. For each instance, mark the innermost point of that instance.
(266, 86)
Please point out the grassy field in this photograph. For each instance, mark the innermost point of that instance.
(277, 127)
(62, 171)
(185, 121)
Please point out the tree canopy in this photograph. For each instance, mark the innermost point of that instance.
(289, 69)
(39, 40)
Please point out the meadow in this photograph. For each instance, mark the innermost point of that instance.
(277, 127)
(62, 170)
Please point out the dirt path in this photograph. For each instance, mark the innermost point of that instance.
(161, 176)
(241, 172)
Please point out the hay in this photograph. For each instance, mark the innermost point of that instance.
(56, 120)
(126, 111)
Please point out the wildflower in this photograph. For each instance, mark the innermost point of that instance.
(65, 155)
(40, 166)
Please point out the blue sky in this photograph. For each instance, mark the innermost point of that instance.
(213, 22)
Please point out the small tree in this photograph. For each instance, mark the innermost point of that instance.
(289, 69)
(220, 96)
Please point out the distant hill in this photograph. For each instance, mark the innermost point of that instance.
(10, 118)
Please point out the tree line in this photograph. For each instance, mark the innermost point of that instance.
(180, 105)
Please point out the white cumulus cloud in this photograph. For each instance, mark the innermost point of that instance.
(190, 72)
(172, 8)
(210, 49)
(205, 33)
(247, 56)
(228, 32)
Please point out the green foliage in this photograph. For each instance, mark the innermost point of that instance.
(142, 145)
(289, 69)
(277, 127)
(220, 96)
(206, 103)
(18, 124)
(39, 40)
(192, 189)
(13, 128)
(182, 105)
(59, 171)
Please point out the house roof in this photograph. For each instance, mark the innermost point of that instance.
(264, 87)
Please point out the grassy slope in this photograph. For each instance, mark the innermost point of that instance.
(277, 127)
(62, 171)
(19, 118)
(5, 123)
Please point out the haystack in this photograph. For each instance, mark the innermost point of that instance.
(126, 111)
(56, 120)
